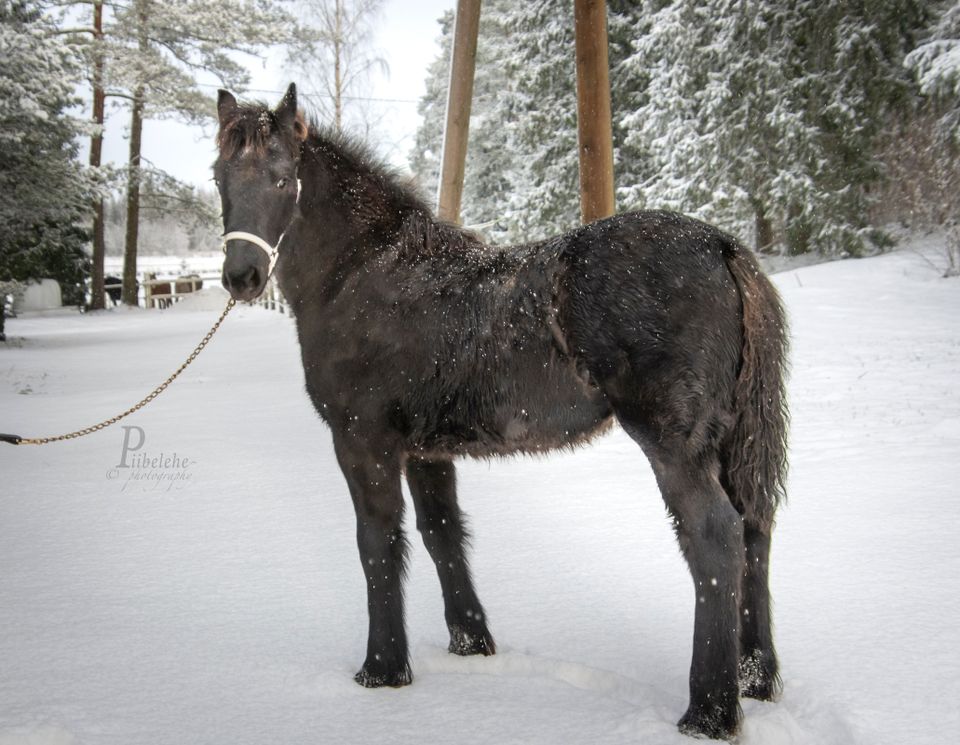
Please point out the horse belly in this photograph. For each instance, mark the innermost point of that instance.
(519, 408)
(552, 424)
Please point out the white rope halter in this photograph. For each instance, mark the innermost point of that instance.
(273, 252)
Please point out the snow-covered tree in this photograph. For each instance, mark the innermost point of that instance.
(522, 169)
(934, 186)
(46, 191)
(539, 112)
(490, 166)
(763, 115)
(154, 54)
(425, 156)
(936, 63)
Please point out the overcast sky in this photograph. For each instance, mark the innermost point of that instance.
(407, 38)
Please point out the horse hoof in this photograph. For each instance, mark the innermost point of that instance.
(761, 690)
(466, 643)
(759, 678)
(379, 677)
(715, 722)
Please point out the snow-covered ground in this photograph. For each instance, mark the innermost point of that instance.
(227, 606)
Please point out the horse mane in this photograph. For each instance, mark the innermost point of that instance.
(250, 129)
(379, 195)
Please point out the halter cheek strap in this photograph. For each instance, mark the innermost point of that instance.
(273, 252)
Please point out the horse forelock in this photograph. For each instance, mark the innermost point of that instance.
(250, 129)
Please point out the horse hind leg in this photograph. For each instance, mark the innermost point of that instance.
(759, 669)
(433, 488)
(710, 533)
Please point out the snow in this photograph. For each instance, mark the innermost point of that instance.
(229, 607)
(42, 295)
(209, 298)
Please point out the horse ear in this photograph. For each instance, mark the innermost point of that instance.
(286, 111)
(287, 115)
(226, 106)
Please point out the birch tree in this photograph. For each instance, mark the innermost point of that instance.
(332, 54)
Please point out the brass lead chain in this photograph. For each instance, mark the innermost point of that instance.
(152, 395)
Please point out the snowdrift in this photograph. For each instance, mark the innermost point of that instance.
(213, 593)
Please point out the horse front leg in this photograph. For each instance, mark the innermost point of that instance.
(373, 476)
(434, 490)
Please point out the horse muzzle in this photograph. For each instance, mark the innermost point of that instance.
(245, 270)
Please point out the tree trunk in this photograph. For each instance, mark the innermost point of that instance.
(763, 229)
(798, 231)
(133, 202)
(97, 300)
(133, 176)
(337, 74)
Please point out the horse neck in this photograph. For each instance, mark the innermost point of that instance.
(344, 181)
(346, 207)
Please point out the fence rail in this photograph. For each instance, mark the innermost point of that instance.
(163, 292)
(272, 299)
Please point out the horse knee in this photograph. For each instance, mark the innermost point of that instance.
(710, 533)
(433, 489)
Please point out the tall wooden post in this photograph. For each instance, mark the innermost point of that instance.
(459, 98)
(593, 110)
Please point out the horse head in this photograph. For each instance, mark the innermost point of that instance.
(256, 175)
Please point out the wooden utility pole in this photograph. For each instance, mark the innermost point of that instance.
(595, 133)
(459, 98)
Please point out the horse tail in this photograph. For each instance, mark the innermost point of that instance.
(756, 452)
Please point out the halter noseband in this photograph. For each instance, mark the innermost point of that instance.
(272, 252)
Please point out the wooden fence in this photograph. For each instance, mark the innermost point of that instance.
(272, 299)
(164, 292)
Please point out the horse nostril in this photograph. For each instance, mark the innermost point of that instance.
(241, 281)
(250, 278)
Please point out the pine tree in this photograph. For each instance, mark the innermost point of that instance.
(47, 192)
(934, 127)
(487, 184)
(539, 109)
(154, 53)
(764, 115)
(936, 64)
(426, 154)
(522, 168)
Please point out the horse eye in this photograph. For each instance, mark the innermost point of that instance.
(282, 182)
